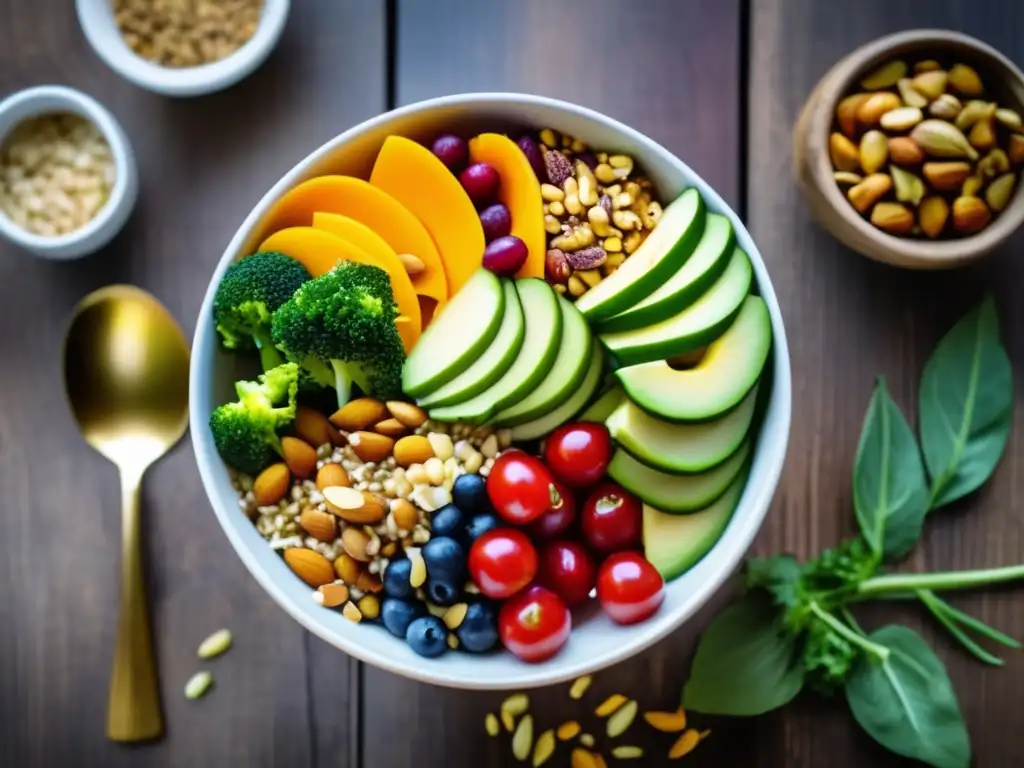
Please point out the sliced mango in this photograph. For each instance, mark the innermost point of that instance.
(519, 191)
(411, 174)
(369, 205)
(319, 251)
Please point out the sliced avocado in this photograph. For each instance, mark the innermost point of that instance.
(603, 407)
(567, 410)
(693, 327)
(451, 344)
(675, 543)
(681, 448)
(708, 261)
(543, 315)
(729, 368)
(675, 494)
(492, 364)
(658, 257)
(564, 377)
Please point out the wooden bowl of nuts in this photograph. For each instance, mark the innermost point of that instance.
(909, 150)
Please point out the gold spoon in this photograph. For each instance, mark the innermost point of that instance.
(126, 375)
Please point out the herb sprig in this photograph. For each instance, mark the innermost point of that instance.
(793, 627)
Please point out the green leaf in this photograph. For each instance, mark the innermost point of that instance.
(746, 664)
(780, 575)
(890, 492)
(965, 404)
(907, 703)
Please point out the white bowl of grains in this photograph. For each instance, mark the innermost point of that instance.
(183, 47)
(68, 180)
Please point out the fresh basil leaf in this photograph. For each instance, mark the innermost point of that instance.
(780, 575)
(965, 405)
(907, 703)
(746, 664)
(890, 492)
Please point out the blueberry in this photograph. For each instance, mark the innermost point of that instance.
(396, 579)
(447, 521)
(427, 636)
(443, 592)
(470, 494)
(478, 632)
(479, 525)
(445, 559)
(397, 615)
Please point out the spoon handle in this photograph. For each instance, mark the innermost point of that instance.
(133, 707)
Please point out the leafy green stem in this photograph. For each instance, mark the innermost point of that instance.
(969, 621)
(938, 582)
(879, 652)
(938, 610)
(851, 620)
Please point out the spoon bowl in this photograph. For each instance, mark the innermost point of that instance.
(126, 365)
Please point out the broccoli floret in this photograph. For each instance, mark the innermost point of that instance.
(245, 431)
(342, 325)
(247, 296)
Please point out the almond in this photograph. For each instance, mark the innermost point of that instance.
(931, 84)
(369, 582)
(964, 79)
(405, 514)
(413, 264)
(843, 152)
(331, 474)
(354, 540)
(903, 150)
(347, 569)
(313, 426)
(846, 113)
(893, 218)
(369, 446)
(414, 449)
(411, 415)
(876, 105)
(874, 151)
(972, 185)
(999, 192)
(300, 456)
(354, 506)
(310, 566)
(320, 525)
(272, 484)
(934, 211)
(358, 414)
(946, 176)
(332, 595)
(391, 428)
(869, 191)
(970, 215)
(983, 134)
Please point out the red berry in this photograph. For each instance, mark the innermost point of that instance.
(568, 570)
(612, 519)
(451, 150)
(559, 518)
(496, 221)
(535, 624)
(520, 487)
(578, 453)
(481, 183)
(502, 562)
(505, 256)
(629, 587)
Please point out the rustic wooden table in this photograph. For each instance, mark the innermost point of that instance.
(717, 81)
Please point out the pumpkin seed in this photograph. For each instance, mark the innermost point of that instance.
(580, 686)
(522, 739)
(491, 724)
(198, 684)
(619, 723)
(568, 730)
(215, 644)
(610, 705)
(544, 748)
(627, 752)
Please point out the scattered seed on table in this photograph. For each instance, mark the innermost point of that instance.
(522, 739)
(587, 740)
(581, 758)
(580, 686)
(620, 722)
(610, 705)
(568, 730)
(667, 722)
(544, 748)
(198, 684)
(684, 745)
(516, 704)
(216, 644)
(509, 721)
(491, 724)
(627, 752)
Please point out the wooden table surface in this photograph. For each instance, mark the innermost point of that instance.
(719, 82)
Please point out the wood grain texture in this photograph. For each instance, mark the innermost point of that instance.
(669, 69)
(281, 697)
(848, 319)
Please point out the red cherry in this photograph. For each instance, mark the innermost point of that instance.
(502, 562)
(568, 570)
(481, 183)
(629, 587)
(559, 518)
(612, 519)
(505, 256)
(578, 453)
(520, 487)
(451, 150)
(535, 624)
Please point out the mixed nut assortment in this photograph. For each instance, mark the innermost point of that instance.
(597, 209)
(56, 173)
(923, 150)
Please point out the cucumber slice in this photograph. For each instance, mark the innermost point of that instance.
(658, 258)
(566, 374)
(456, 337)
(567, 410)
(681, 448)
(675, 494)
(723, 377)
(492, 364)
(543, 316)
(603, 407)
(686, 285)
(694, 327)
(675, 543)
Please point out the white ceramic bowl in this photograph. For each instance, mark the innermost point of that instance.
(43, 99)
(97, 20)
(595, 641)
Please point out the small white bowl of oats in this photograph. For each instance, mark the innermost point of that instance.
(183, 48)
(68, 180)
